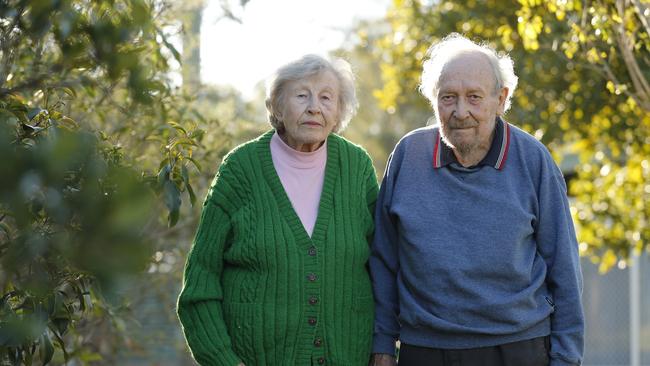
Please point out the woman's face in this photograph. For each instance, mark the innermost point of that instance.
(310, 111)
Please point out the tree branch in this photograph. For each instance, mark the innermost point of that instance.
(640, 12)
(626, 45)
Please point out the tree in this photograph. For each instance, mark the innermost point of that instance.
(612, 39)
(75, 207)
(561, 100)
(102, 149)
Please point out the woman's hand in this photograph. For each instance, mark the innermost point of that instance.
(241, 364)
(382, 359)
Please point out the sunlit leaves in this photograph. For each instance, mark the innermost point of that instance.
(85, 41)
(610, 189)
(580, 89)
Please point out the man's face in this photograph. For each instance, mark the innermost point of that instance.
(468, 103)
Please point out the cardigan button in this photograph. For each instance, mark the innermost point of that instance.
(312, 321)
(318, 342)
(313, 300)
(321, 361)
(312, 251)
(311, 277)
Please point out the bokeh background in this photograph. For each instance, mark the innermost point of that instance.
(115, 114)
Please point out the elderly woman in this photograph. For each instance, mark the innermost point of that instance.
(277, 274)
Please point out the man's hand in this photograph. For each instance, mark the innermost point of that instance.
(382, 359)
(241, 364)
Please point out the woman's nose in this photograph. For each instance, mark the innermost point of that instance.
(312, 106)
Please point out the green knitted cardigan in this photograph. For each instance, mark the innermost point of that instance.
(257, 289)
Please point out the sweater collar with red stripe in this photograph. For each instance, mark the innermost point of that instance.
(496, 156)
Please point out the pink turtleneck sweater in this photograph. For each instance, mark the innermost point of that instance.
(301, 174)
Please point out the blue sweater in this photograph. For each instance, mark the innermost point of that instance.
(476, 257)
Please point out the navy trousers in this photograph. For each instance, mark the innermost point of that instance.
(532, 352)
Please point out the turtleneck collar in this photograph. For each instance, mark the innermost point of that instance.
(298, 159)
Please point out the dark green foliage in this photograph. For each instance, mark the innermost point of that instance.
(75, 206)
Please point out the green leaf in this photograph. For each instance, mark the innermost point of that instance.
(46, 349)
(69, 91)
(197, 134)
(61, 325)
(172, 197)
(5, 228)
(68, 123)
(163, 174)
(177, 127)
(190, 191)
(185, 174)
(186, 180)
(61, 344)
(33, 112)
(196, 163)
(170, 47)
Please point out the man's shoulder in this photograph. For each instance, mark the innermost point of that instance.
(411, 148)
(531, 152)
(527, 141)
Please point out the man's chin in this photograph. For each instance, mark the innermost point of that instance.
(463, 147)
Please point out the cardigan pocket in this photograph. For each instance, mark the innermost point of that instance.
(364, 308)
(240, 319)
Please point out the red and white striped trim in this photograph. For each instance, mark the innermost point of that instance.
(505, 144)
(436, 151)
(503, 153)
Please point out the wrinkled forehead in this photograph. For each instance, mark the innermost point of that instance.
(324, 78)
(468, 67)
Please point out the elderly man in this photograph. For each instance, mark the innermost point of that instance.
(475, 259)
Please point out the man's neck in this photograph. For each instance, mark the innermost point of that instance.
(471, 158)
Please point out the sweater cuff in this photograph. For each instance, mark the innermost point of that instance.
(561, 362)
(383, 343)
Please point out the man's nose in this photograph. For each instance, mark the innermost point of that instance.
(462, 109)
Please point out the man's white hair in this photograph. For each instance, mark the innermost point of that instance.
(439, 54)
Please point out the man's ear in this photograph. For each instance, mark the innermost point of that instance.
(503, 95)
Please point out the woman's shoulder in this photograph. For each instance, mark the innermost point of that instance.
(349, 147)
(248, 149)
(241, 162)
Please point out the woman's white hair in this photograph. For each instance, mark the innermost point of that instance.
(310, 65)
(439, 54)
